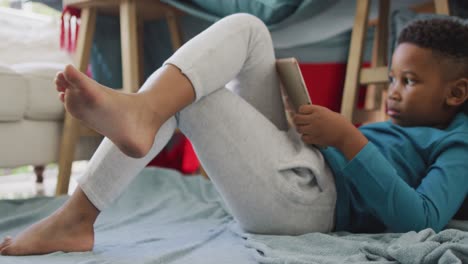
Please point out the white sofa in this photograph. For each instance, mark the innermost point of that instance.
(31, 117)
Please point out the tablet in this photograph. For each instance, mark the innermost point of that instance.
(293, 83)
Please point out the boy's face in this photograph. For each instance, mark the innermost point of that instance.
(417, 89)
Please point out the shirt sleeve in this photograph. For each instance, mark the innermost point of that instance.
(401, 207)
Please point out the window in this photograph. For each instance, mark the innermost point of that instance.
(33, 8)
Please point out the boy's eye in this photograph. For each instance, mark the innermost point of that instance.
(391, 79)
(409, 81)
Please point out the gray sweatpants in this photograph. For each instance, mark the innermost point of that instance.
(270, 180)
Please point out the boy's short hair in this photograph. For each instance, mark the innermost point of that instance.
(446, 37)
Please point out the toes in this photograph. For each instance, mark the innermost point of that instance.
(60, 76)
(11, 249)
(60, 87)
(60, 82)
(6, 242)
(7, 251)
(72, 75)
(61, 96)
(3, 250)
(7, 239)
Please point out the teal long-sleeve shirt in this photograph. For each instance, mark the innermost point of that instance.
(405, 178)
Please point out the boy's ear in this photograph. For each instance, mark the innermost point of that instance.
(458, 93)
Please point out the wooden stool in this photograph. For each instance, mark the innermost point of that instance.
(132, 13)
(377, 74)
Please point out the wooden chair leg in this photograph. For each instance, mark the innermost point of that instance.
(39, 171)
(70, 138)
(129, 40)
(141, 50)
(374, 93)
(442, 7)
(72, 127)
(353, 67)
(174, 29)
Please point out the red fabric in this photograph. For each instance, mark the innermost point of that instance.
(179, 155)
(325, 82)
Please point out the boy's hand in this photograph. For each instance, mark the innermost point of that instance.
(321, 126)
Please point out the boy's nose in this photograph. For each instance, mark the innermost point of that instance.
(393, 93)
(393, 96)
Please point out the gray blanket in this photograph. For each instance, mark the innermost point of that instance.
(166, 218)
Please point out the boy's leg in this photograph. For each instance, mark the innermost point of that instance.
(253, 77)
(65, 230)
(240, 54)
(269, 179)
(242, 144)
(108, 173)
(70, 228)
(108, 167)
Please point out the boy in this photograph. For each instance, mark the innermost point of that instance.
(406, 174)
(419, 180)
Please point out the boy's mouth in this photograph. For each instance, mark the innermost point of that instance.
(393, 112)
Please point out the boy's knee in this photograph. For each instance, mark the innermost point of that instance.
(254, 23)
(245, 18)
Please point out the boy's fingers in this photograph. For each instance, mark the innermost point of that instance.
(303, 129)
(300, 119)
(307, 109)
(307, 139)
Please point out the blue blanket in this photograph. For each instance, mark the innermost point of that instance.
(166, 218)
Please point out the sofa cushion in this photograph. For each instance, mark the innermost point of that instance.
(42, 99)
(13, 95)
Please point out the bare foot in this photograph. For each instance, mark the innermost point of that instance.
(124, 118)
(54, 233)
